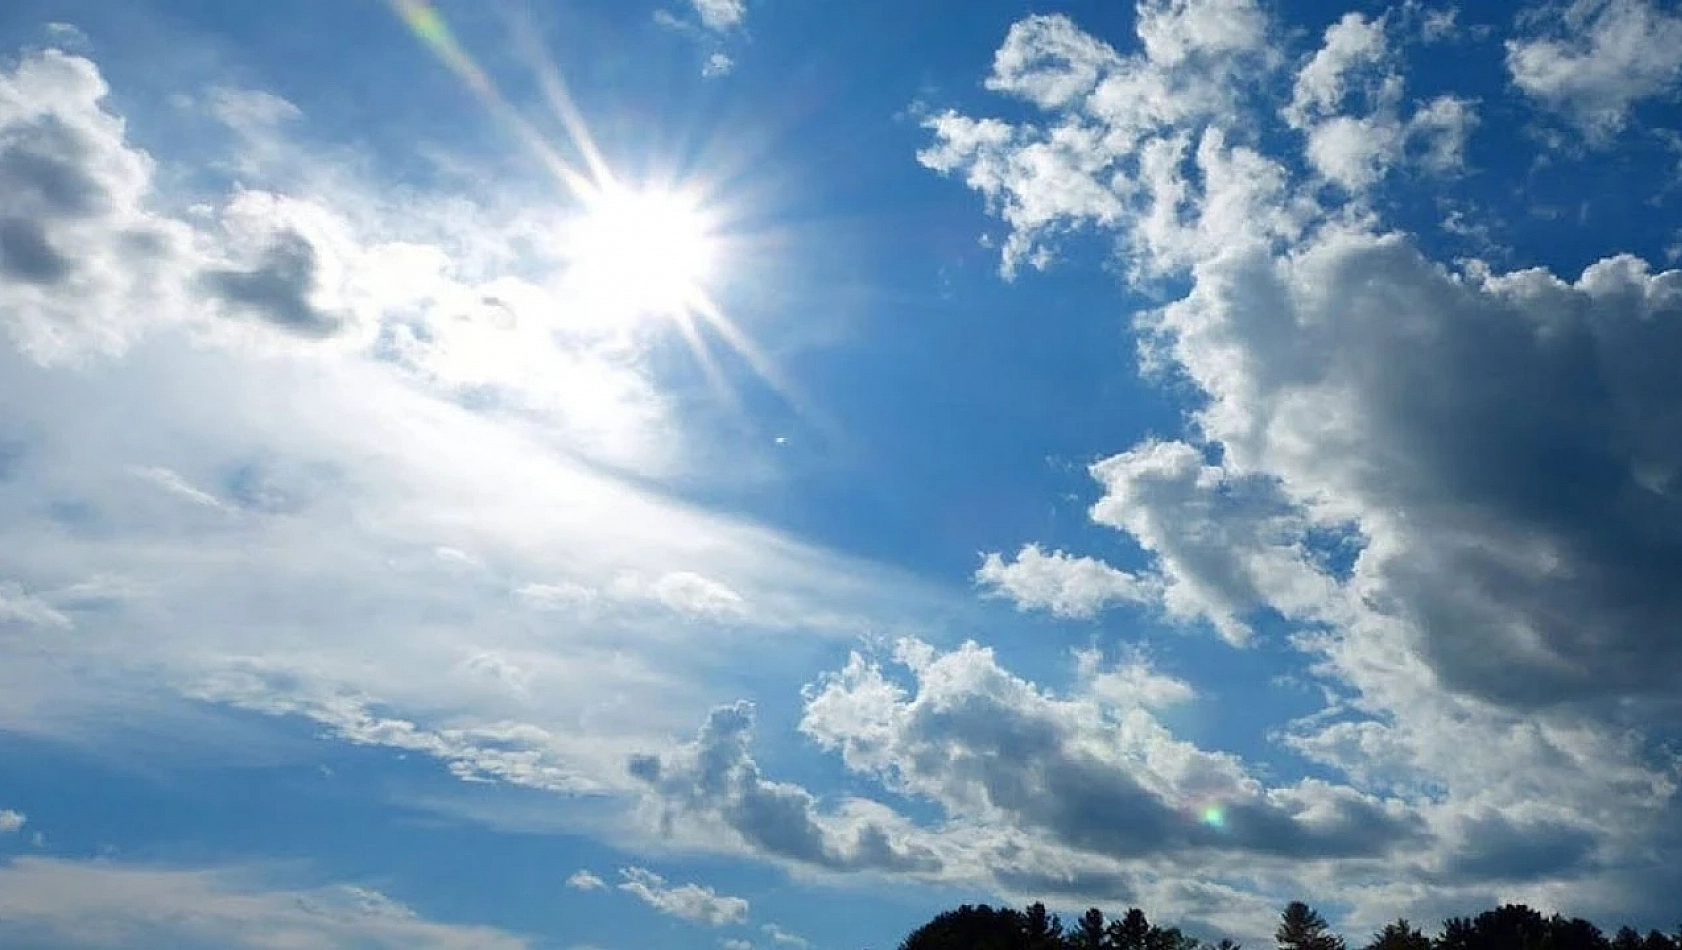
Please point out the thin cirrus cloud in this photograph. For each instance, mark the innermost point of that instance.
(102, 904)
(271, 494)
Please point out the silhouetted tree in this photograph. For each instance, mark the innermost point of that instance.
(1627, 938)
(1400, 935)
(1089, 932)
(1131, 932)
(1041, 930)
(1658, 941)
(1302, 928)
(1170, 938)
(1458, 934)
(1573, 933)
(1508, 927)
(969, 928)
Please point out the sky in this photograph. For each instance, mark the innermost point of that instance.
(728, 474)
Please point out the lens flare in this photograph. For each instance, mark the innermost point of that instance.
(1214, 816)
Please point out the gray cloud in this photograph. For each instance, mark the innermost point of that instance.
(279, 288)
(27, 255)
(1088, 773)
(1493, 847)
(1461, 488)
(48, 169)
(716, 778)
(84, 266)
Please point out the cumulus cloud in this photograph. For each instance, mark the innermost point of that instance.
(721, 14)
(716, 781)
(1593, 60)
(1348, 100)
(1093, 772)
(85, 264)
(48, 902)
(1455, 485)
(691, 902)
(1066, 585)
(11, 821)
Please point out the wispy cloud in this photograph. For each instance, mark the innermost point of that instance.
(691, 902)
(582, 880)
(50, 902)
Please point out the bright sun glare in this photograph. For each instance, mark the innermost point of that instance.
(641, 252)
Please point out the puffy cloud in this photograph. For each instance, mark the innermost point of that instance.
(717, 64)
(583, 880)
(691, 902)
(1352, 44)
(11, 821)
(721, 14)
(1066, 585)
(85, 264)
(85, 904)
(1094, 772)
(1091, 167)
(715, 781)
(1457, 486)
(1348, 100)
(1594, 59)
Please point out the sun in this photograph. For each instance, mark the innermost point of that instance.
(635, 252)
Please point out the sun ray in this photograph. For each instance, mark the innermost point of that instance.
(709, 365)
(632, 251)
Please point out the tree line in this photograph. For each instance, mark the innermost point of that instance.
(1508, 927)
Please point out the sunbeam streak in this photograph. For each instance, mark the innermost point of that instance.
(632, 250)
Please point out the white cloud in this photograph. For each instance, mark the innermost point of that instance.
(1353, 45)
(1092, 772)
(89, 904)
(1066, 585)
(1348, 100)
(712, 792)
(691, 902)
(85, 265)
(1412, 464)
(718, 64)
(11, 821)
(215, 462)
(582, 880)
(1439, 24)
(1596, 58)
(736, 943)
(784, 938)
(17, 606)
(721, 14)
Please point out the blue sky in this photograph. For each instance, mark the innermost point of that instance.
(726, 473)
